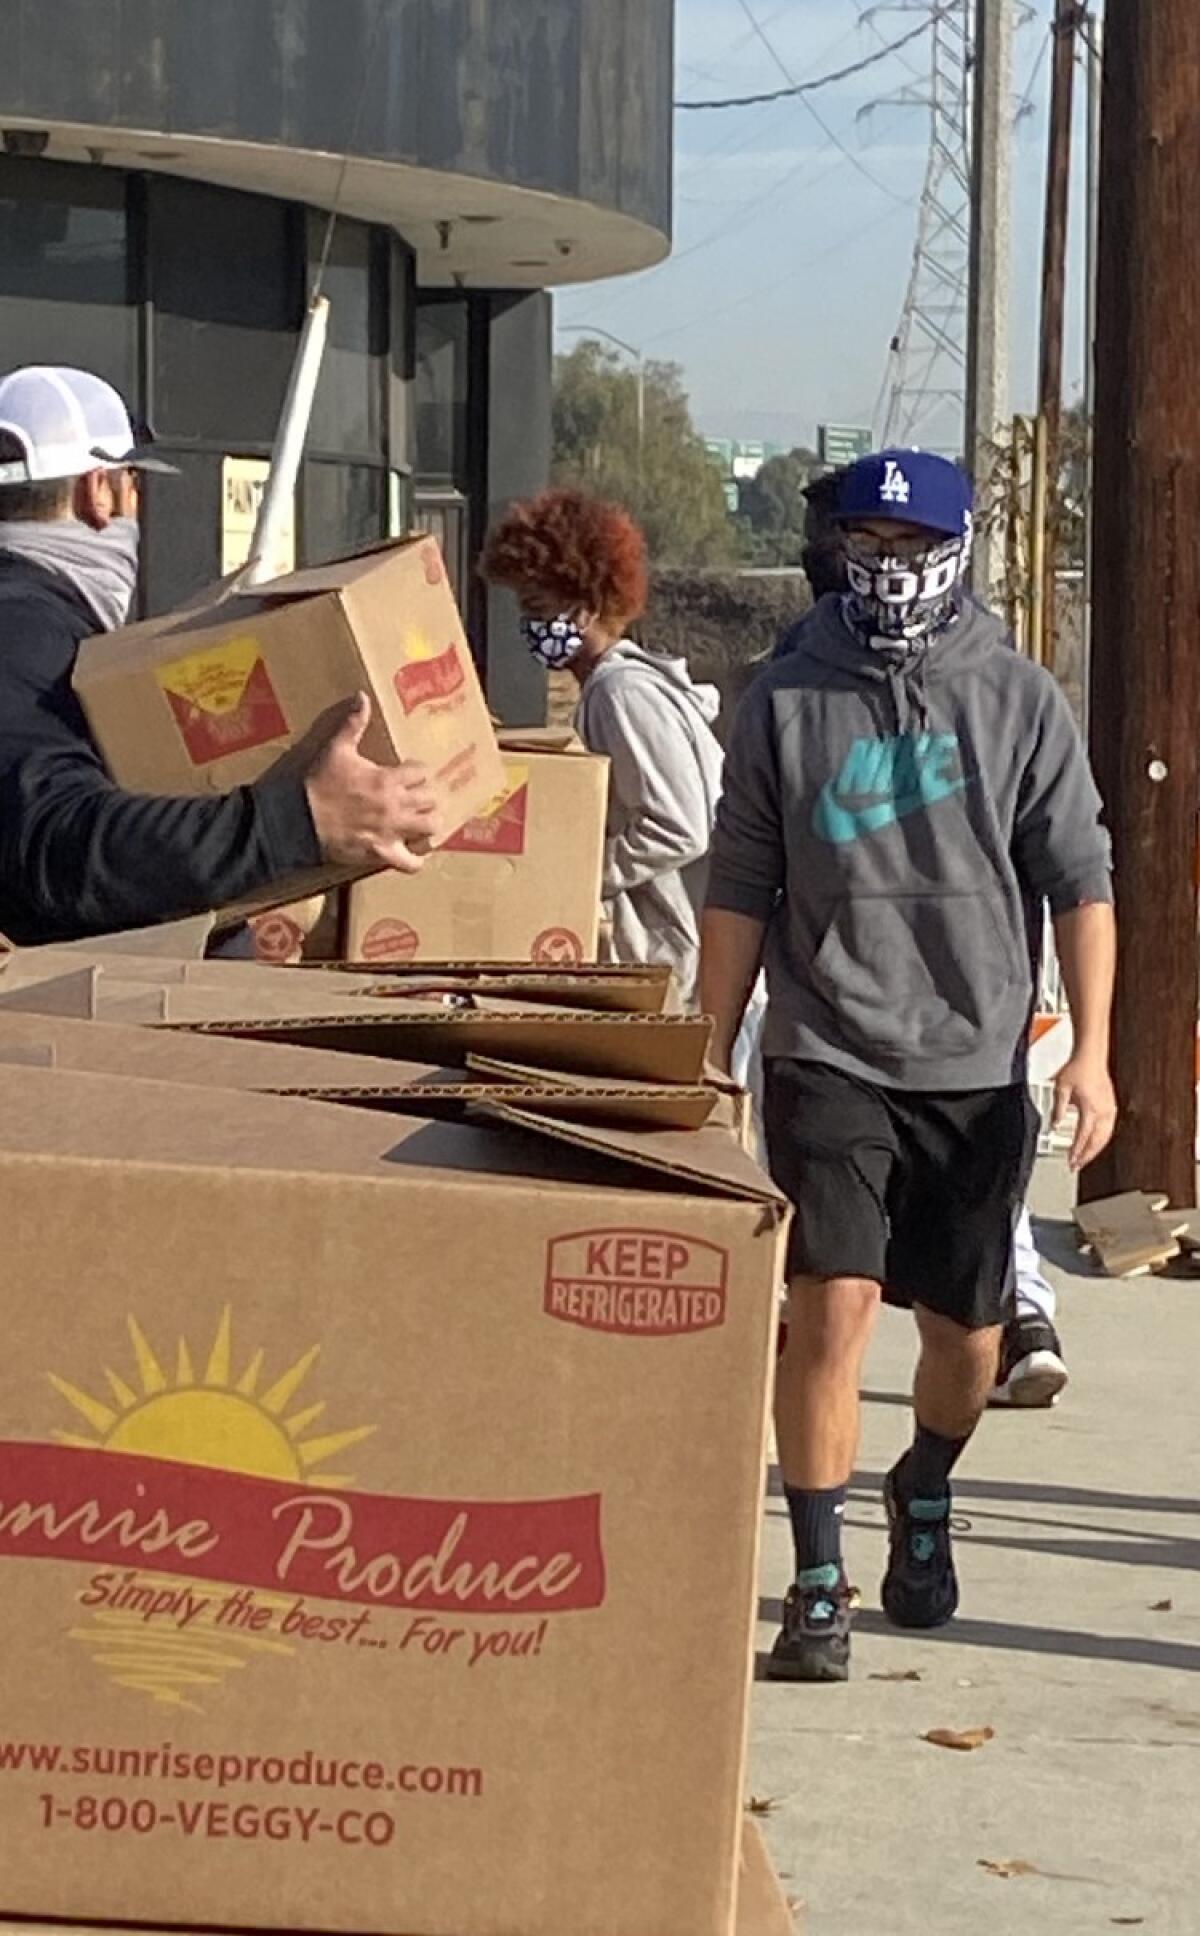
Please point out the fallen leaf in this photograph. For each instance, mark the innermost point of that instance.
(897, 1674)
(1007, 1869)
(761, 1805)
(1162, 1606)
(963, 1739)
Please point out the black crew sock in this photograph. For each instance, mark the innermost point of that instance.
(816, 1526)
(924, 1471)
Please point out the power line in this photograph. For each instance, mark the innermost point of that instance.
(796, 90)
(1025, 104)
(779, 282)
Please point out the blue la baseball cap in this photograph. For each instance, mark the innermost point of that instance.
(910, 487)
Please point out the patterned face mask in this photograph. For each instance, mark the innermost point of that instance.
(907, 598)
(554, 642)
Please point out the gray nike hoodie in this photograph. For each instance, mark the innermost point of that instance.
(642, 710)
(900, 821)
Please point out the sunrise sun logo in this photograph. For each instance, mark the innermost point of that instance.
(211, 1412)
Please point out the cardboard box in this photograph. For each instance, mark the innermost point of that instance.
(286, 1646)
(521, 882)
(209, 698)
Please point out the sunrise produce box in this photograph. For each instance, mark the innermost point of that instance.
(379, 1515)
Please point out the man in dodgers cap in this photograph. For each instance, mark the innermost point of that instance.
(904, 795)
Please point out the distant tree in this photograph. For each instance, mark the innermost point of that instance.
(670, 484)
(771, 508)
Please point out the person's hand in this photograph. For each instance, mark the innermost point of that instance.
(1085, 1085)
(368, 813)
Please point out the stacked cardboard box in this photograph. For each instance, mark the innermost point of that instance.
(519, 883)
(364, 1466)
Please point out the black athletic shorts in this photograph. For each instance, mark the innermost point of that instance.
(916, 1191)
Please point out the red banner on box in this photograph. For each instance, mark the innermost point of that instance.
(459, 1556)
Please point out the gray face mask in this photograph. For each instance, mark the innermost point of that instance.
(102, 566)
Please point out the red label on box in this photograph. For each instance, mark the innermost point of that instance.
(557, 948)
(277, 938)
(223, 701)
(109, 1509)
(637, 1283)
(425, 682)
(390, 941)
(500, 832)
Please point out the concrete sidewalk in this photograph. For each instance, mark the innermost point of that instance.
(1084, 1522)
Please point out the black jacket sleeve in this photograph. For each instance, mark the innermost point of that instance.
(78, 855)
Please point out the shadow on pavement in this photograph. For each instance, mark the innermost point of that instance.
(1037, 1493)
(1129, 1649)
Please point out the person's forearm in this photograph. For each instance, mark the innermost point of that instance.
(1086, 938)
(731, 947)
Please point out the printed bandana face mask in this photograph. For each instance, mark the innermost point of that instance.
(554, 642)
(905, 600)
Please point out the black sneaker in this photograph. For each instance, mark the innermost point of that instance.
(1032, 1371)
(814, 1641)
(920, 1588)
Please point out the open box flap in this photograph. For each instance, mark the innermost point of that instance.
(662, 1049)
(49, 1114)
(623, 991)
(709, 1157)
(172, 941)
(117, 1049)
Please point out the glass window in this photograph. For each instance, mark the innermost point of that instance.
(63, 275)
(181, 529)
(444, 514)
(227, 287)
(443, 341)
(348, 413)
(344, 507)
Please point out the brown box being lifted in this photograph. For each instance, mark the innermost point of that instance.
(209, 698)
(346, 1585)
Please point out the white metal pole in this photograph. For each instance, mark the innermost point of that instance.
(280, 494)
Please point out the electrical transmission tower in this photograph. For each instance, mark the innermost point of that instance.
(925, 388)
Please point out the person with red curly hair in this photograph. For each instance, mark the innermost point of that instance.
(578, 568)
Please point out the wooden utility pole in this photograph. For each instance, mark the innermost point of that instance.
(1067, 17)
(1145, 685)
(990, 277)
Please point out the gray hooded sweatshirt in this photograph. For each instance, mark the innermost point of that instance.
(900, 822)
(643, 711)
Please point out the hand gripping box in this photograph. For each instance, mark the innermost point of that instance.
(209, 698)
(379, 1517)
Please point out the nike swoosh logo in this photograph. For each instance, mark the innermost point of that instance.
(840, 824)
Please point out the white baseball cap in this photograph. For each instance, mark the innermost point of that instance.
(67, 422)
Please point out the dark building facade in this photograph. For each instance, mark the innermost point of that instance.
(167, 170)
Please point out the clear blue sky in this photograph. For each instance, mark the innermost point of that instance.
(791, 254)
